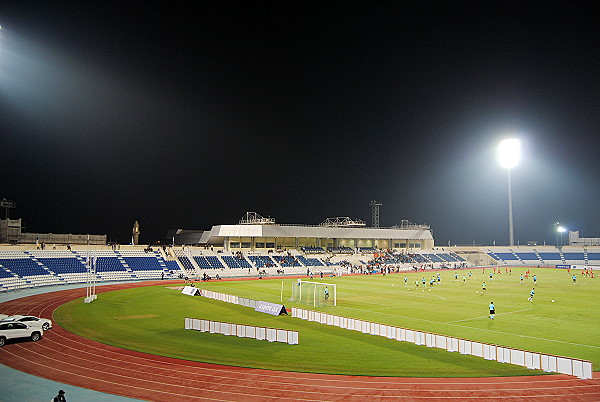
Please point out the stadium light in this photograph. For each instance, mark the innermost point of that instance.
(561, 230)
(509, 154)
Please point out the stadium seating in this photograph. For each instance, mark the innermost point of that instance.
(576, 258)
(287, 261)
(262, 261)
(433, 257)
(310, 262)
(214, 262)
(202, 262)
(593, 258)
(236, 262)
(23, 269)
(312, 250)
(340, 250)
(172, 266)
(146, 267)
(23, 266)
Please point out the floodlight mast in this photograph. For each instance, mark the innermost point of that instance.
(509, 153)
(561, 230)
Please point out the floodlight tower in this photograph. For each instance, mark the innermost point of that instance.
(7, 204)
(375, 213)
(509, 154)
(561, 230)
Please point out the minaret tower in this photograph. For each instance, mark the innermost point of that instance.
(135, 234)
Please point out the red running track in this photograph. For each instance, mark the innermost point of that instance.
(70, 359)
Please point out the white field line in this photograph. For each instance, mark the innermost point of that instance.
(485, 316)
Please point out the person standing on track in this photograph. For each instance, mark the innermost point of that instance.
(60, 397)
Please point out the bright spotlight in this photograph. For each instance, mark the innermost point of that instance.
(509, 153)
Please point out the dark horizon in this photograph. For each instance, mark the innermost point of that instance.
(188, 114)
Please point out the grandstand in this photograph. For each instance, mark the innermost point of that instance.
(545, 256)
(24, 266)
(258, 246)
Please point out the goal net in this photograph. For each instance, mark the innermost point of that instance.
(314, 293)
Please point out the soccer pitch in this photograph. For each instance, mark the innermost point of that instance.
(151, 319)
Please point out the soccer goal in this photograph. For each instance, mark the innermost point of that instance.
(314, 293)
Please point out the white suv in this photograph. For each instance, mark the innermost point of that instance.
(12, 330)
(30, 320)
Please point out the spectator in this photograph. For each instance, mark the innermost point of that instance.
(60, 397)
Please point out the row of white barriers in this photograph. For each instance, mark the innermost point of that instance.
(533, 360)
(243, 331)
(224, 297)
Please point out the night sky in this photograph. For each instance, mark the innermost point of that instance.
(188, 114)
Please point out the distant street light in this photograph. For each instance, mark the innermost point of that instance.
(509, 154)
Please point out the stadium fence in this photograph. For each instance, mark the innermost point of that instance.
(243, 331)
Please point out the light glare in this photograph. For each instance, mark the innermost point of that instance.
(509, 153)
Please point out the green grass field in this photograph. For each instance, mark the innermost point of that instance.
(150, 319)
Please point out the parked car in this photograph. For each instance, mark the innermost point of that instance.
(15, 329)
(30, 320)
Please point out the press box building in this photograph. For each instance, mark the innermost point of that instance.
(254, 232)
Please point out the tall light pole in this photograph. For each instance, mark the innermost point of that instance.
(561, 230)
(509, 154)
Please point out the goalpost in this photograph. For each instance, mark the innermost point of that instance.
(314, 293)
